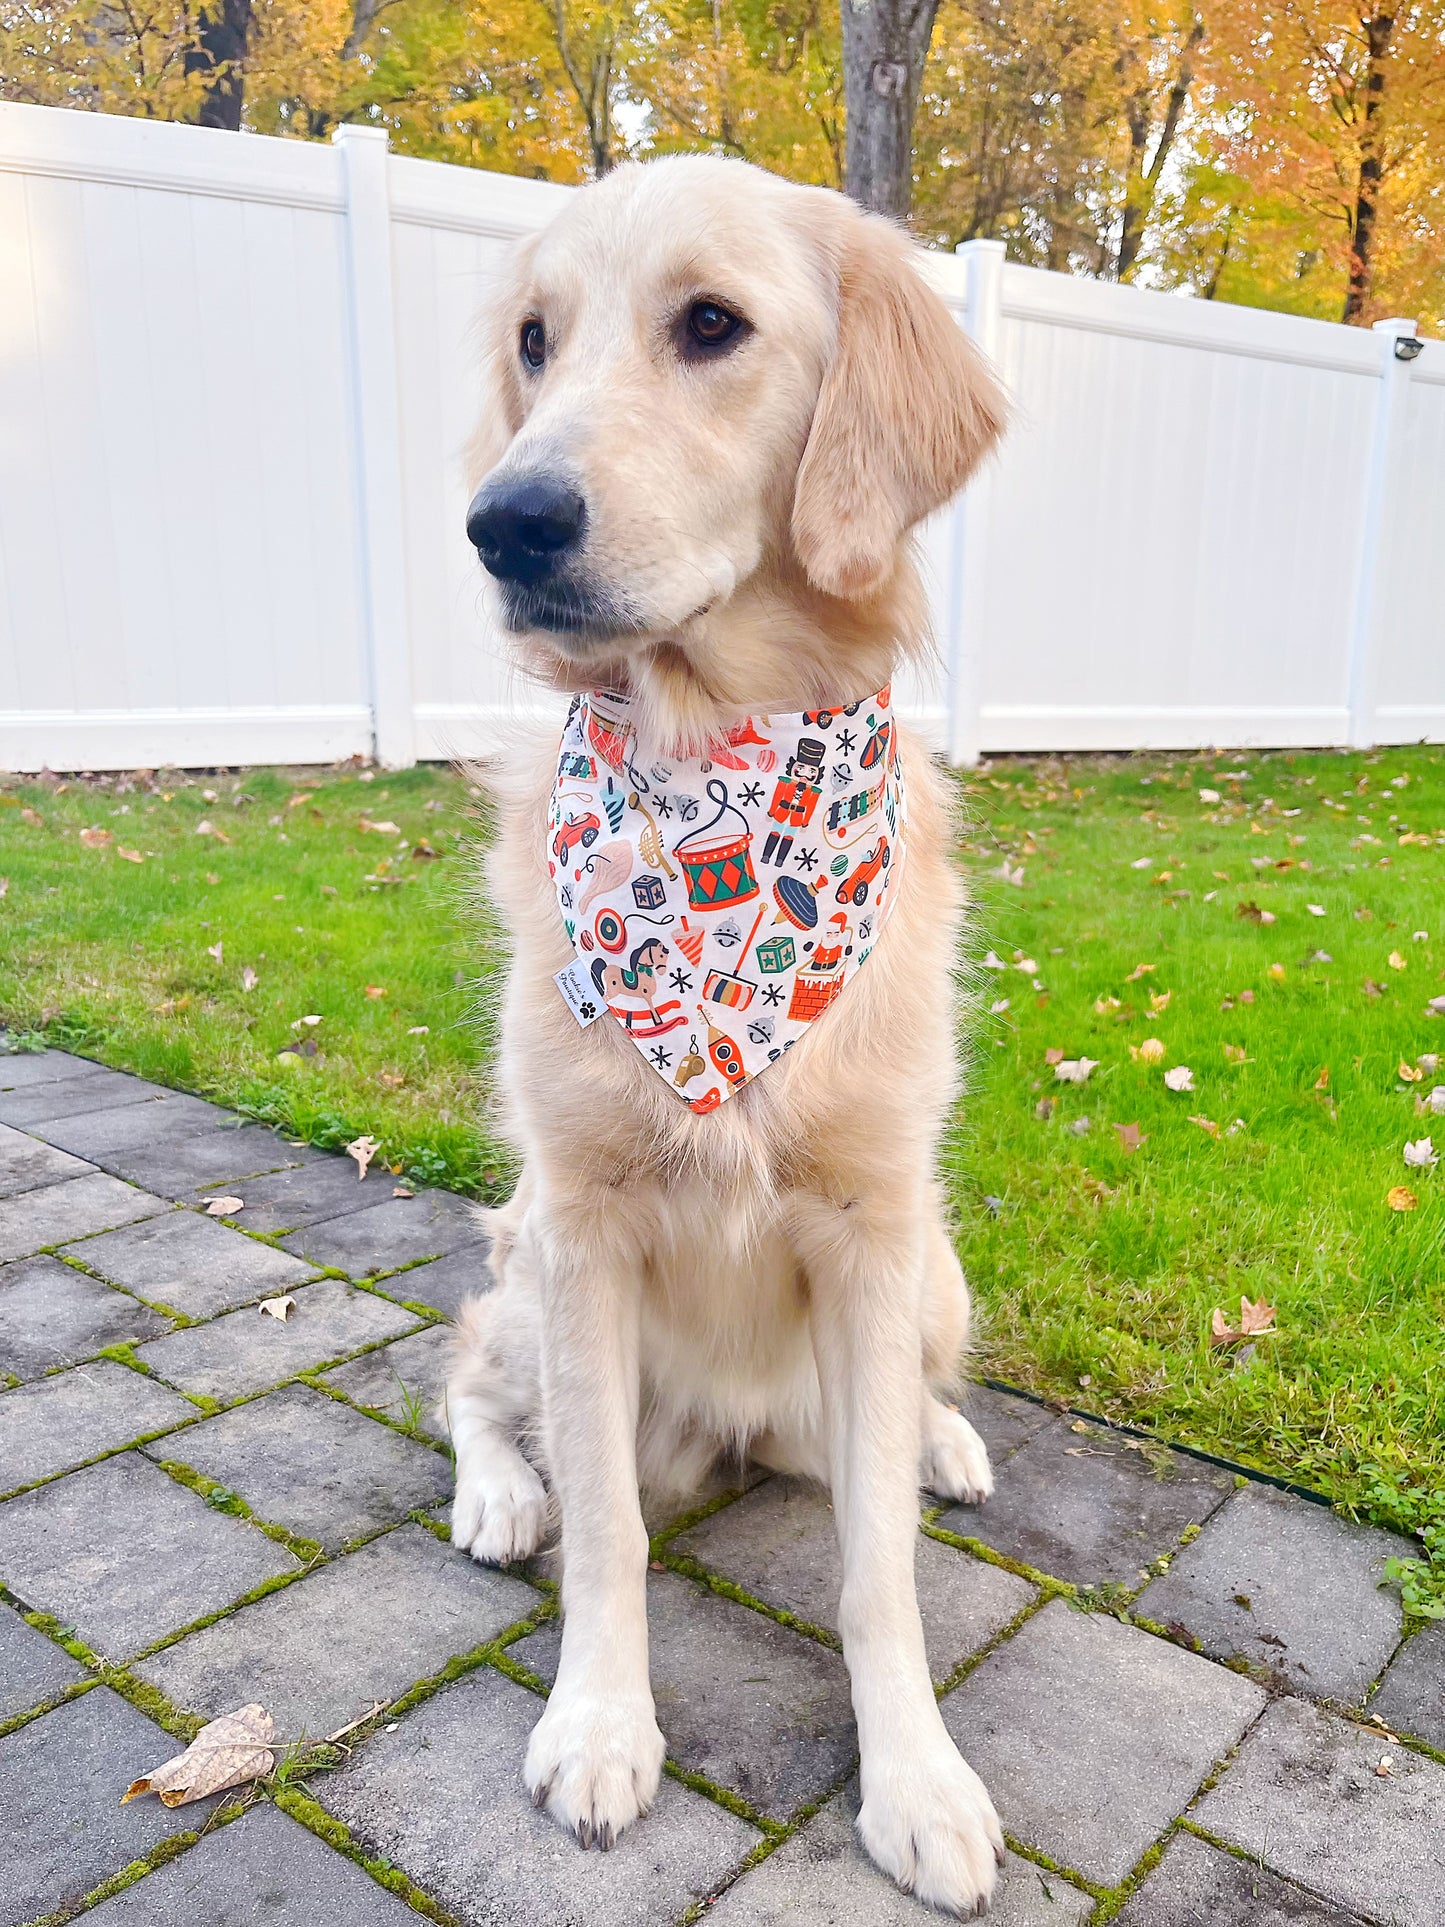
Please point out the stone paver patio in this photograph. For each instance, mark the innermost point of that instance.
(1187, 1691)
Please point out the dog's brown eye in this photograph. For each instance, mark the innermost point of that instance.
(533, 343)
(710, 325)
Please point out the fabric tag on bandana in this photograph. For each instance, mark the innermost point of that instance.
(718, 904)
(579, 993)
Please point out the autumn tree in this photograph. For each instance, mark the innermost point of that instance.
(1340, 109)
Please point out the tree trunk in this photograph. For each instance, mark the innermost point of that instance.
(885, 44)
(221, 57)
(1143, 183)
(1378, 30)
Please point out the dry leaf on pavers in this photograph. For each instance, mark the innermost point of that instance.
(278, 1308)
(402, 1191)
(1181, 1078)
(1255, 1321)
(224, 1207)
(1421, 1155)
(1130, 1136)
(363, 1149)
(226, 1752)
(1401, 1198)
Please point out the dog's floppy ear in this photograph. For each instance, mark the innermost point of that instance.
(907, 410)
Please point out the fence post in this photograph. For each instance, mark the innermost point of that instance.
(982, 314)
(1384, 442)
(376, 413)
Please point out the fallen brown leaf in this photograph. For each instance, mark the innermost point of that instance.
(226, 1752)
(223, 1207)
(373, 991)
(1053, 1057)
(382, 829)
(1139, 970)
(402, 1191)
(129, 856)
(1255, 1320)
(278, 1308)
(1401, 1198)
(1410, 1074)
(94, 839)
(1131, 1137)
(1206, 1124)
(33, 818)
(363, 1149)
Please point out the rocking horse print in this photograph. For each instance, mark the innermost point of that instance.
(631, 992)
(781, 955)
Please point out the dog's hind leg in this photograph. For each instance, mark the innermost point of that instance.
(501, 1510)
(953, 1461)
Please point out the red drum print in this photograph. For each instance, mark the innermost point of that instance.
(719, 869)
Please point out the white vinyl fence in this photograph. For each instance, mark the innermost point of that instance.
(237, 375)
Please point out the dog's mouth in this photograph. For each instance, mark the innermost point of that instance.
(580, 614)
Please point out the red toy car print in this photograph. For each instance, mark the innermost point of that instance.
(576, 829)
(854, 887)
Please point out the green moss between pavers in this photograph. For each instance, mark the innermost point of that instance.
(1111, 1904)
(689, 1568)
(1036, 1857)
(694, 1517)
(972, 1662)
(74, 1691)
(724, 1797)
(325, 1826)
(220, 1498)
(1051, 1587)
(145, 1698)
(110, 1452)
(159, 1856)
(311, 1377)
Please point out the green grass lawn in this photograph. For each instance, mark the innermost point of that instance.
(1146, 914)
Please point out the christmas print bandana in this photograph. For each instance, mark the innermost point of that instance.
(718, 904)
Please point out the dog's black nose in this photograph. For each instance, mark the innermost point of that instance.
(523, 529)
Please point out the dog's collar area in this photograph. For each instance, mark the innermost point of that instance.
(719, 903)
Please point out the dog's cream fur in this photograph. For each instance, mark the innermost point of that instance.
(776, 1278)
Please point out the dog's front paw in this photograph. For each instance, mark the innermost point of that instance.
(501, 1513)
(928, 1821)
(955, 1459)
(594, 1762)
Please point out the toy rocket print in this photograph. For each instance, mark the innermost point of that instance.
(718, 906)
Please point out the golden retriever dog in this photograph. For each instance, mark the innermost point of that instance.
(719, 404)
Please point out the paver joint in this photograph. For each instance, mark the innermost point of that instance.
(207, 1506)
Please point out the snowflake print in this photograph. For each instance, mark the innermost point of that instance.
(680, 981)
(752, 795)
(806, 859)
(664, 808)
(846, 742)
(773, 995)
(662, 1058)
